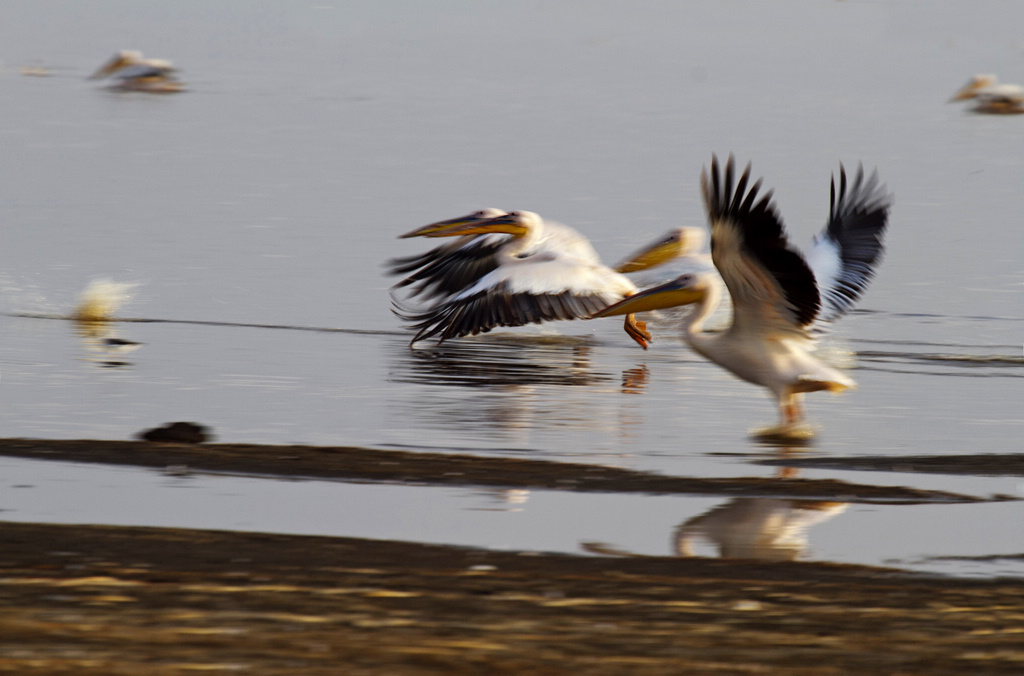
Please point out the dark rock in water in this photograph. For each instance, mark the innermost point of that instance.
(177, 433)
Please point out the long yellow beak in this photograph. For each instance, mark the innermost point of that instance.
(429, 230)
(670, 294)
(475, 217)
(502, 224)
(678, 243)
(648, 258)
(651, 257)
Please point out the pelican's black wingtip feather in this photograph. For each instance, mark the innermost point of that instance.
(447, 269)
(763, 236)
(858, 220)
(481, 312)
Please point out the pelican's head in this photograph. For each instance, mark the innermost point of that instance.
(431, 229)
(122, 59)
(676, 244)
(690, 288)
(973, 86)
(515, 223)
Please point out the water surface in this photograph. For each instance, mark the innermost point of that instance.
(271, 192)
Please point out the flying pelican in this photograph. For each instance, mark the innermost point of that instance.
(525, 271)
(992, 97)
(445, 270)
(777, 294)
(135, 73)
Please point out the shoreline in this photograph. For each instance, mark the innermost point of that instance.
(110, 600)
(80, 599)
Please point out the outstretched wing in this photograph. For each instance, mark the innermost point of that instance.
(773, 290)
(845, 255)
(450, 268)
(536, 289)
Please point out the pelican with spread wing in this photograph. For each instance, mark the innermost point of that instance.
(507, 269)
(780, 298)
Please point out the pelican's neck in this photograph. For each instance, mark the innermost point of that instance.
(523, 244)
(693, 325)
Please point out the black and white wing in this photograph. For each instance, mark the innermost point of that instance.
(450, 268)
(845, 255)
(531, 290)
(773, 290)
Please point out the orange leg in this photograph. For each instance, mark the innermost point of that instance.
(790, 409)
(638, 331)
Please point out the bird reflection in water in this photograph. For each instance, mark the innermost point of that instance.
(634, 380)
(480, 388)
(103, 346)
(504, 499)
(539, 360)
(771, 529)
(756, 528)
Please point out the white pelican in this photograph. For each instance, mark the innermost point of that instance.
(135, 73)
(777, 294)
(992, 97)
(530, 275)
(450, 268)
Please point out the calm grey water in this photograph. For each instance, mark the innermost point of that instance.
(271, 192)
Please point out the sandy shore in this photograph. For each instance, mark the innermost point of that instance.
(109, 600)
(166, 601)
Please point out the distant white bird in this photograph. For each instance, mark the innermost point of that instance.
(777, 294)
(526, 270)
(133, 72)
(992, 97)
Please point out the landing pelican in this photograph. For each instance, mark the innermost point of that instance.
(524, 272)
(777, 294)
(992, 97)
(135, 73)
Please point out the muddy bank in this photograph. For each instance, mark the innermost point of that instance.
(110, 600)
(976, 464)
(366, 464)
